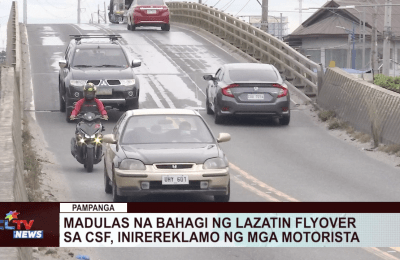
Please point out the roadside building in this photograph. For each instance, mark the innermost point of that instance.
(326, 36)
(277, 25)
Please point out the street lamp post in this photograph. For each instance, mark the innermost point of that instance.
(352, 39)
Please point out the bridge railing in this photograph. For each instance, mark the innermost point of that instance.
(253, 41)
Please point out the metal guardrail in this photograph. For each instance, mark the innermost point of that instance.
(253, 41)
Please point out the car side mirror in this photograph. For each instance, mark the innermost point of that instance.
(223, 137)
(136, 63)
(62, 64)
(208, 77)
(110, 139)
(289, 79)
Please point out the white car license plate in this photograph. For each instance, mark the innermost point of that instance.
(104, 91)
(151, 11)
(255, 96)
(176, 179)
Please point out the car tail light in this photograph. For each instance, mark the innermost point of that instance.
(227, 90)
(283, 91)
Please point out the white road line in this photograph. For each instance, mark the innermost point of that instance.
(32, 103)
(176, 65)
(146, 88)
(162, 91)
(380, 253)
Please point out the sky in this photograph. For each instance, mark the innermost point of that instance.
(65, 11)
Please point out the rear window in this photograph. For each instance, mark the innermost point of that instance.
(102, 57)
(150, 2)
(252, 75)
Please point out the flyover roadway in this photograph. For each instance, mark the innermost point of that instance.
(269, 162)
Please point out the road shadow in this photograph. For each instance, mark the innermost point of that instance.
(171, 198)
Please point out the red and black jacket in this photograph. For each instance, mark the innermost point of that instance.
(93, 105)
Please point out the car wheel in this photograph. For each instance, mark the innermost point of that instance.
(133, 27)
(107, 186)
(165, 27)
(128, 27)
(208, 106)
(224, 198)
(68, 112)
(284, 120)
(62, 102)
(218, 118)
(134, 105)
(116, 197)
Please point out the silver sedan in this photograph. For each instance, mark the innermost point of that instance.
(165, 151)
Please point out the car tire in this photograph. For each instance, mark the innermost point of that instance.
(208, 106)
(62, 102)
(133, 27)
(107, 186)
(128, 27)
(218, 118)
(134, 105)
(224, 198)
(284, 120)
(68, 112)
(116, 197)
(166, 27)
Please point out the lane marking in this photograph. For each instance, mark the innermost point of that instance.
(254, 190)
(184, 72)
(380, 253)
(32, 102)
(396, 248)
(161, 90)
(261, 184)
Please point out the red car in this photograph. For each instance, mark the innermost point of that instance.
(148, 13)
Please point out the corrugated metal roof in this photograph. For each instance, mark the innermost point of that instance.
(324, 21)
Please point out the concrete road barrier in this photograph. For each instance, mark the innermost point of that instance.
(367, 107)
(12, 186)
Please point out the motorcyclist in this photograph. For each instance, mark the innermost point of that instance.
(89, 103)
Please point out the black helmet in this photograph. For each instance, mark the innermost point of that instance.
(89, 91)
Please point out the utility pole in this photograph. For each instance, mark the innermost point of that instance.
(79, 11)
(300, 11)
(200, 2)
(374, 43)
(353, 52)
(387, 33)
(25, 13)
(105, 16)
(363, 54)
(349, 53)
(264, 16)
(98, 13)
(281, 31)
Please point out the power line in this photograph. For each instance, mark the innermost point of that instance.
(242, 8)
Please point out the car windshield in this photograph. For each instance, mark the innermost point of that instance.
(152, 129)
(150, 2)
(102, 57)
(253, 75)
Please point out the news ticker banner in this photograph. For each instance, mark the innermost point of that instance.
(200, 224)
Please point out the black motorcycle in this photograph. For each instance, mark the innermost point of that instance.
(86, 146)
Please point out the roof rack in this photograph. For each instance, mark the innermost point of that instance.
(112, 37)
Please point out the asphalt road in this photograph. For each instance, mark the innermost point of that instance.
(299, 162)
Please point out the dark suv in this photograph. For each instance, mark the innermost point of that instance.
(99, 59)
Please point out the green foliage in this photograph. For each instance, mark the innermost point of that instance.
(391, 83)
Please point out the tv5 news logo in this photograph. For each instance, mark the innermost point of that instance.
(21, 228)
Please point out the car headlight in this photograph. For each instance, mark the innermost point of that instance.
(77, 83)
(215, 163)
(127, 82)
(131, 164)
